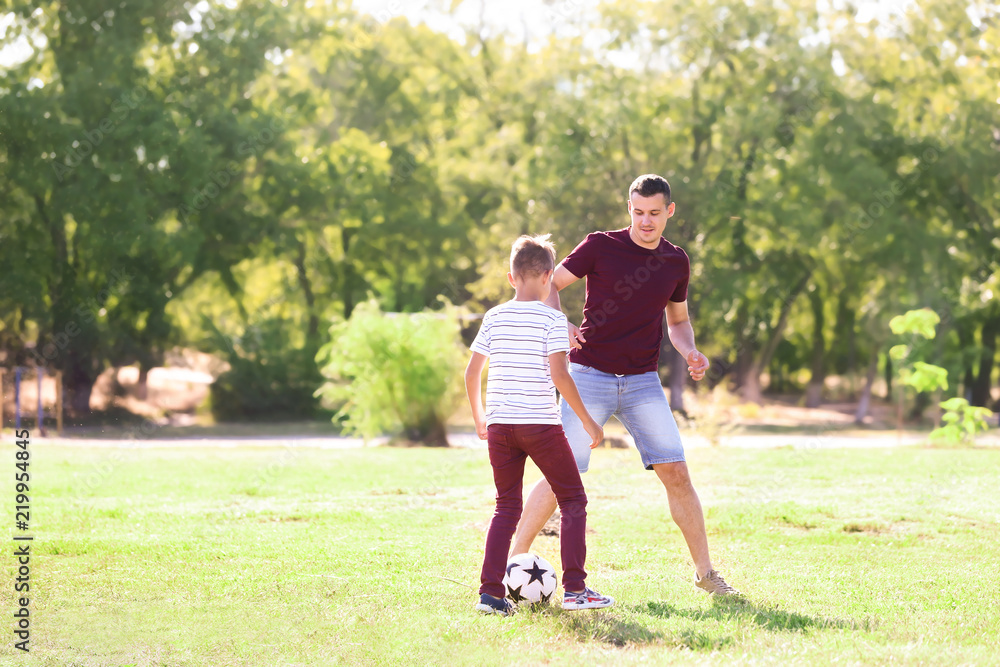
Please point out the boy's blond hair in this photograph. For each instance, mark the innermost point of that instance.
(531, 256)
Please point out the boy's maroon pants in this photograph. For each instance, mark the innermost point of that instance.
(510, 445)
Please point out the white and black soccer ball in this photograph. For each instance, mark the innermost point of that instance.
(529, 579)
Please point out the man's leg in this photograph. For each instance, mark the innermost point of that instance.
(685, 510)
(647, 416)
(599, 392)
(539, 506)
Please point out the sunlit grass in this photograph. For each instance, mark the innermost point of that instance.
(272, 556)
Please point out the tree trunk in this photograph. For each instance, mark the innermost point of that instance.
(988, 339)
(142, 384)
(814, 391)
(431, 433)
(312, 330)
(966, 341)
(888, 377)
(866, 392)
(347, 281)
(752, 389)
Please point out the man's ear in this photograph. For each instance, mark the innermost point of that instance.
(510, 279)
(670, 209)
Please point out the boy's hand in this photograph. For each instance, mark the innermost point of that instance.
(481, 429)
(575, 337)
(595, 432)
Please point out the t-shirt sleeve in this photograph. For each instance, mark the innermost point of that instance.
(557, 336)
(580, 262)
(482, 342)
(680, 293)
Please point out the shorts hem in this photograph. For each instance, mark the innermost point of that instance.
(676, 459)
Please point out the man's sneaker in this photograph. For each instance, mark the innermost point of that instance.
(715, 584)
(588, 599)
(491, 605)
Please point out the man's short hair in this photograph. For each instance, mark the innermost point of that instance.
(532, 256)
(648, 185)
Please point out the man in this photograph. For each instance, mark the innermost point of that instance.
(633, 276)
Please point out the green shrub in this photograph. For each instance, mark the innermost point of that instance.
(395, 372)
(269, 379)
(961, 422)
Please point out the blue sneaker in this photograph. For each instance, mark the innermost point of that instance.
(491, 605)
(588, 599)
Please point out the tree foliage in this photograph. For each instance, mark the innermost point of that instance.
(178, 173)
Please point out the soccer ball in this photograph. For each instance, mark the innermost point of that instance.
(529, 579)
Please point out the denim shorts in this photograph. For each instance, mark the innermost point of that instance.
(639, 404)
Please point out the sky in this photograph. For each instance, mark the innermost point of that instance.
(536, 19)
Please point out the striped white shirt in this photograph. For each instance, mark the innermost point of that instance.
(518, 337)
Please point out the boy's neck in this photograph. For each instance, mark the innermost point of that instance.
(528, 293)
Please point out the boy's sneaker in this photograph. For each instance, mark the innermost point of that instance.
(491, 605)
(715, 584)
(588, 599)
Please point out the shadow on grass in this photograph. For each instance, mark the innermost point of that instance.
(768, 617)
(607, 628)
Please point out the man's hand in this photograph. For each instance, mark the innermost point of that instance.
(595, 432)
(697, 364)
(575, 337)
(481, 429)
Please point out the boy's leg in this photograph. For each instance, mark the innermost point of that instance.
(548, 448)
(599, 393)
(507, 460)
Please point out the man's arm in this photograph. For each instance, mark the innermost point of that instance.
(562, 277)
(681, 335)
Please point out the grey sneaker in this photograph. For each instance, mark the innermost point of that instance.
(588, 599)
(715, 584)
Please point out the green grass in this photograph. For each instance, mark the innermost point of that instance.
(277, 556)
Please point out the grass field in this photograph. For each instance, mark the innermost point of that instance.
(277, 555)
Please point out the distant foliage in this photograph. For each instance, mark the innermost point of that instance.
(269, 379)
(394, 372)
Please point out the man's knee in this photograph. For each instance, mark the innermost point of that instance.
(673, 475)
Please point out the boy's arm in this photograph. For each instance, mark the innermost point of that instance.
(567, 388)
(474, 389)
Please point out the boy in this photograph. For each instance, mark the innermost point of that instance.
(526, 343)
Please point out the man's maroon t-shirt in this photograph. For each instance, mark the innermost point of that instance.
(628, 287)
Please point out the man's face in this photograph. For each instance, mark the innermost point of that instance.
(649, 218)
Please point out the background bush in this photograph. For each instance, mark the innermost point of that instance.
(396, 373)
